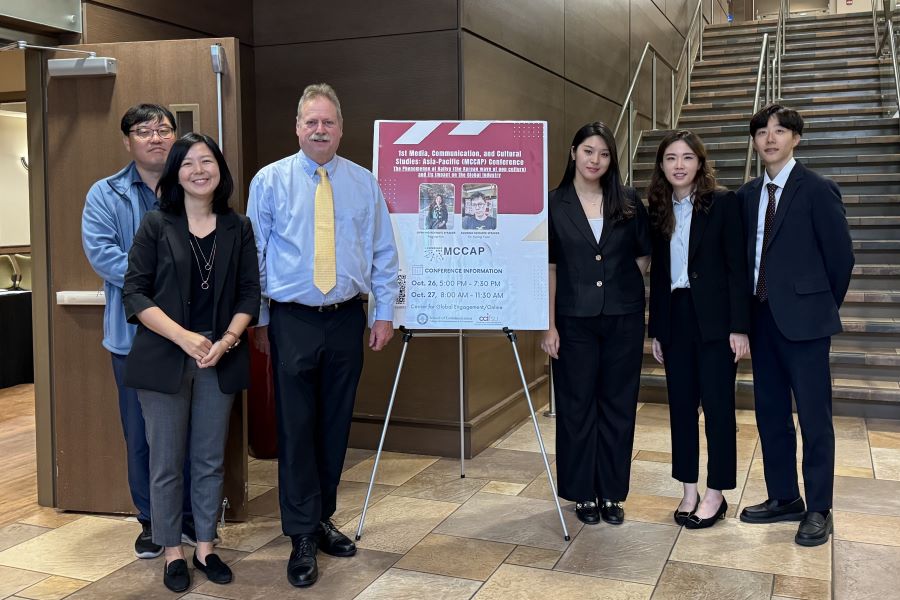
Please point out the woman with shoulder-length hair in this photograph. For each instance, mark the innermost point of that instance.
(436, 214)
(599, 250)
(192, 286)
(699, 317)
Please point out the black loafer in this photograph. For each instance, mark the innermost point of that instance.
(695, 522)
(681, 516)
(302, 569)
(333, 542)
(176, 576)
(814, 529)
(612, 512)
(214, 569)
(587, 512)
(770, 512)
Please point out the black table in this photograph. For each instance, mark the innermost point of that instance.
(16, 361)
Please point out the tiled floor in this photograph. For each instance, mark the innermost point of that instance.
(496, 534)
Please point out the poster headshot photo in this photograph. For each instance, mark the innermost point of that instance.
(479, 206)
(436, 202)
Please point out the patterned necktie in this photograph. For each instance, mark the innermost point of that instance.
(762, 291)
(324, 268)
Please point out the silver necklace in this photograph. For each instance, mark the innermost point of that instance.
(207, 263)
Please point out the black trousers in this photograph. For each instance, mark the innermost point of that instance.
(317, 359)
(699, 374)
(780, 367)
(596, 378)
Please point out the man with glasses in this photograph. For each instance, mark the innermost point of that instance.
(481, 213)
(112, 212)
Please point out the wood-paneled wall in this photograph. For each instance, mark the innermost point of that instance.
(569, 61)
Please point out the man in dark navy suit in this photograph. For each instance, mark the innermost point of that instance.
(800, 258)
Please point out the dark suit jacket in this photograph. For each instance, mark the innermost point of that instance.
(809, 258)
(159, 274)
(717, 272)
(594, 278)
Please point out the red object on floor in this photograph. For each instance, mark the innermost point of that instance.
(262, 431)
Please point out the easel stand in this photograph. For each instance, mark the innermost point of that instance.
(511, 336)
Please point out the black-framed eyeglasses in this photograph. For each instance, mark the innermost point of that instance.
(146, 133)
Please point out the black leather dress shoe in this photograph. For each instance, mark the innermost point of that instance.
(681, 516)
(176, 576)
(333, 542)
(302, 569)
(612, 512)
(770, 512)
(587, 512)
(695, 522)
(814, 529)
(214, 569)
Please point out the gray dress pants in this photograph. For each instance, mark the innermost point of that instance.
(200, 404)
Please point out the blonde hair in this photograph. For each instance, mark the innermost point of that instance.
(320, 90)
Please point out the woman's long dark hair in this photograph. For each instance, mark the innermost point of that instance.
(616, 203)
(171, 194)
(659, 194)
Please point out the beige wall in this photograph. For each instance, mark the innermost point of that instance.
(14, 227)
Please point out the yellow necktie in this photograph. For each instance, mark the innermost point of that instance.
(324, 268)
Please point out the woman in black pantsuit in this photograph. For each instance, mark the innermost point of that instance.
(599, 250)
(699, 317)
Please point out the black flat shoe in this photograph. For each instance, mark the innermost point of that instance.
(612, 512)
(302, 569)
(587, 512)
(695, 522)
(681, 516)
(176, 576)
(770, 512)
(333, 542)
(214, 569)
(814, 529)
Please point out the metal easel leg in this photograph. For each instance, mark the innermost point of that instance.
(407, 335)
(537, 431)
(462, 412)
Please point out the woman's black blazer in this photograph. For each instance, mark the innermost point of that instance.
(716, 269)
(594, 278)
(159, 274)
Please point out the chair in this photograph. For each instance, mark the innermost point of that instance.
(7, 270)
(24, 263)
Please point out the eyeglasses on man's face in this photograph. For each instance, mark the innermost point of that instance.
(146, 133)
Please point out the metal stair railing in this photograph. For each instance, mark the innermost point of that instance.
(889, 38)
(685, 61)
(761, 71)
(769, 74)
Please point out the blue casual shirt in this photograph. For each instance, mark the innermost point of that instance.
(282, 210)
(680, 242)
(112, 213)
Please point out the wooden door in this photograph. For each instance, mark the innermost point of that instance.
(84, 144)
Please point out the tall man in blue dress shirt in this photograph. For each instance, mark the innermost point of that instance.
(324, 237)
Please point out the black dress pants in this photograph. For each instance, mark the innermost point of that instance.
(781, 366)
(317, 359)
(699, 374)
(596, 378)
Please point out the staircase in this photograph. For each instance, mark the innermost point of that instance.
(846, 97)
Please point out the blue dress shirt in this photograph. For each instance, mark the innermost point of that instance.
(680, 242)
(282, 210)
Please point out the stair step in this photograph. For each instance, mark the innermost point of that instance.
(718, 41)
(689, 119)
(707, 69)
(846, 146)
(813, 129)
(790, 91)
(800, 56)
(877, 73)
